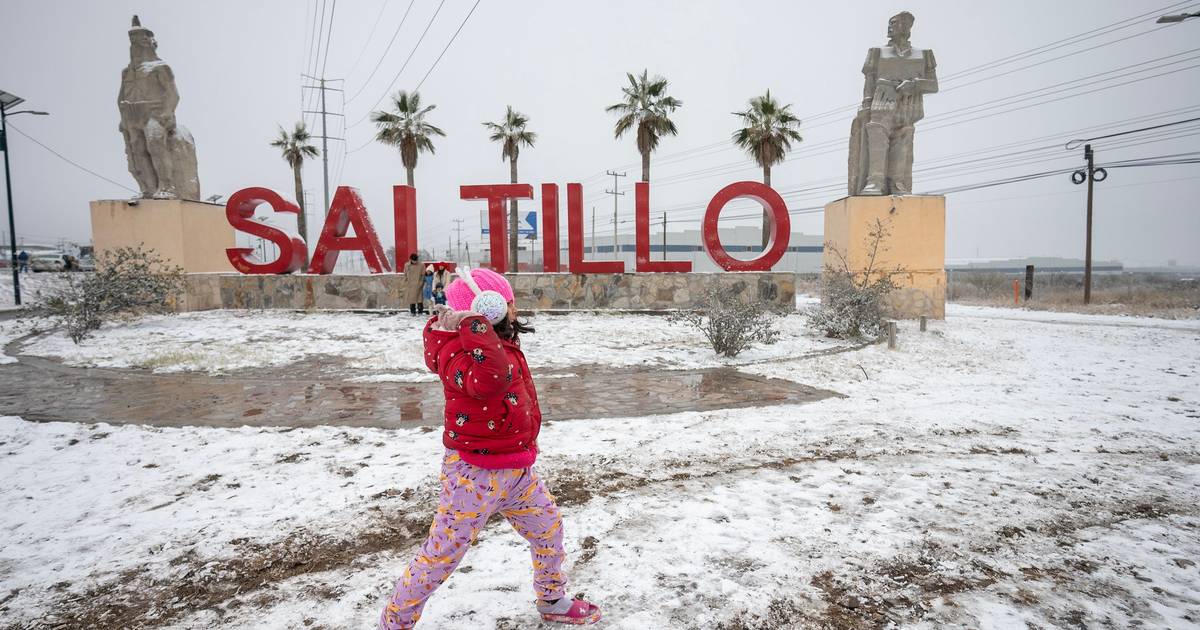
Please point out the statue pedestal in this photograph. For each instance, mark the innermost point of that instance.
(917, 244)
(190, 234)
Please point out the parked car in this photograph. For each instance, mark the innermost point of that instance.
(47, 262)
(85, 263)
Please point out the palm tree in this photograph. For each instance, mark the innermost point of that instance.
(405, 127)
(647, 107)
(295, 150)
(770, 130)
(511, 133)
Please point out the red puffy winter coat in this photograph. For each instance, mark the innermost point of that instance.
(492, 413)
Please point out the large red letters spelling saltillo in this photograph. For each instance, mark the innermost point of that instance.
(347, 209)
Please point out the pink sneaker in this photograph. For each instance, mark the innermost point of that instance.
(576, 611)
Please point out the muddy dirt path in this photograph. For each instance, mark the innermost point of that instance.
(320, 393)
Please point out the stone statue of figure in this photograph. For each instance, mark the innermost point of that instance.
(898, 77)
(161, 153)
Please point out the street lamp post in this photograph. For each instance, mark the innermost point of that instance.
(7, 102)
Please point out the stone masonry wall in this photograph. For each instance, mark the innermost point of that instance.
(534, 291)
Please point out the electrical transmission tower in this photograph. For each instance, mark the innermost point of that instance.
(324, 112)
(458, 238)
(615, 194)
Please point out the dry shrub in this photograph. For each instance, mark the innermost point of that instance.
(853, 301)
(729, 325)
(128, 281)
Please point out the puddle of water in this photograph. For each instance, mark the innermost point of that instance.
(48, 392)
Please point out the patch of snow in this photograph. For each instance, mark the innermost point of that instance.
(10, 330)
(992, 472)
(34, 286)
(223, 341)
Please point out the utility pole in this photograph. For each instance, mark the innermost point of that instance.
(664, 252)
(1087, 257)
(615, 194)
(1091, 175)
(457, 238)
(325, 138)
(7, 102)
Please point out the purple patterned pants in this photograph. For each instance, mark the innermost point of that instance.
(470, 495)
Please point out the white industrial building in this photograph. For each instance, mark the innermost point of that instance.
(803, 255)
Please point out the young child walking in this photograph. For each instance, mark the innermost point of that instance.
(492, 422)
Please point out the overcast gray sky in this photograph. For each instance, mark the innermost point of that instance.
(238, 66)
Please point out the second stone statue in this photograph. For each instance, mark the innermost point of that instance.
(897, 77)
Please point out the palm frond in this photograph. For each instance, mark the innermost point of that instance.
(769, 130)
(647, 107)
(404, 127)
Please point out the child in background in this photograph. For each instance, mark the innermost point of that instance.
(492, 421)
(427, 284)
(439, 295)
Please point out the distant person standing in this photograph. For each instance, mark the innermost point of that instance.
(441, 276)
(427, 288)
(414, 285)
(23, 261)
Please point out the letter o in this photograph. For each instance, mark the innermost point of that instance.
(781, 226)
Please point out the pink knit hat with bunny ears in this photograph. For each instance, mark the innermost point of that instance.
(459, 295)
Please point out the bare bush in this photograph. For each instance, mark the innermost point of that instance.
(729, 325)
(853, 302)
(128, 281)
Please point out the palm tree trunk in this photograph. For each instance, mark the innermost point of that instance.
(766, 226)
(302, 218)
(512, 219)
(646, 166)
(410, 177)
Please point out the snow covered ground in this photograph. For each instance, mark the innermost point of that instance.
(33, 286)
(1006, 469)
(223, 341)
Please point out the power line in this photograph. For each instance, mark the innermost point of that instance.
(1074, 39)
(311, 27)
(836, 144)
(1072, 192)
(1141, 162)
(367, 41)
(1061, 87)
(328, 36)
(452, 38)
(311, 67)
(402, 67)
(1075, 143)
(395, 33)
(1052, 59)
(1006, 160)
(70, 161)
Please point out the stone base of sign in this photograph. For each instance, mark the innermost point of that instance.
(190, 234)
(916, 245)
(534, 291)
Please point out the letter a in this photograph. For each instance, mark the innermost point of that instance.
(347, 210)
